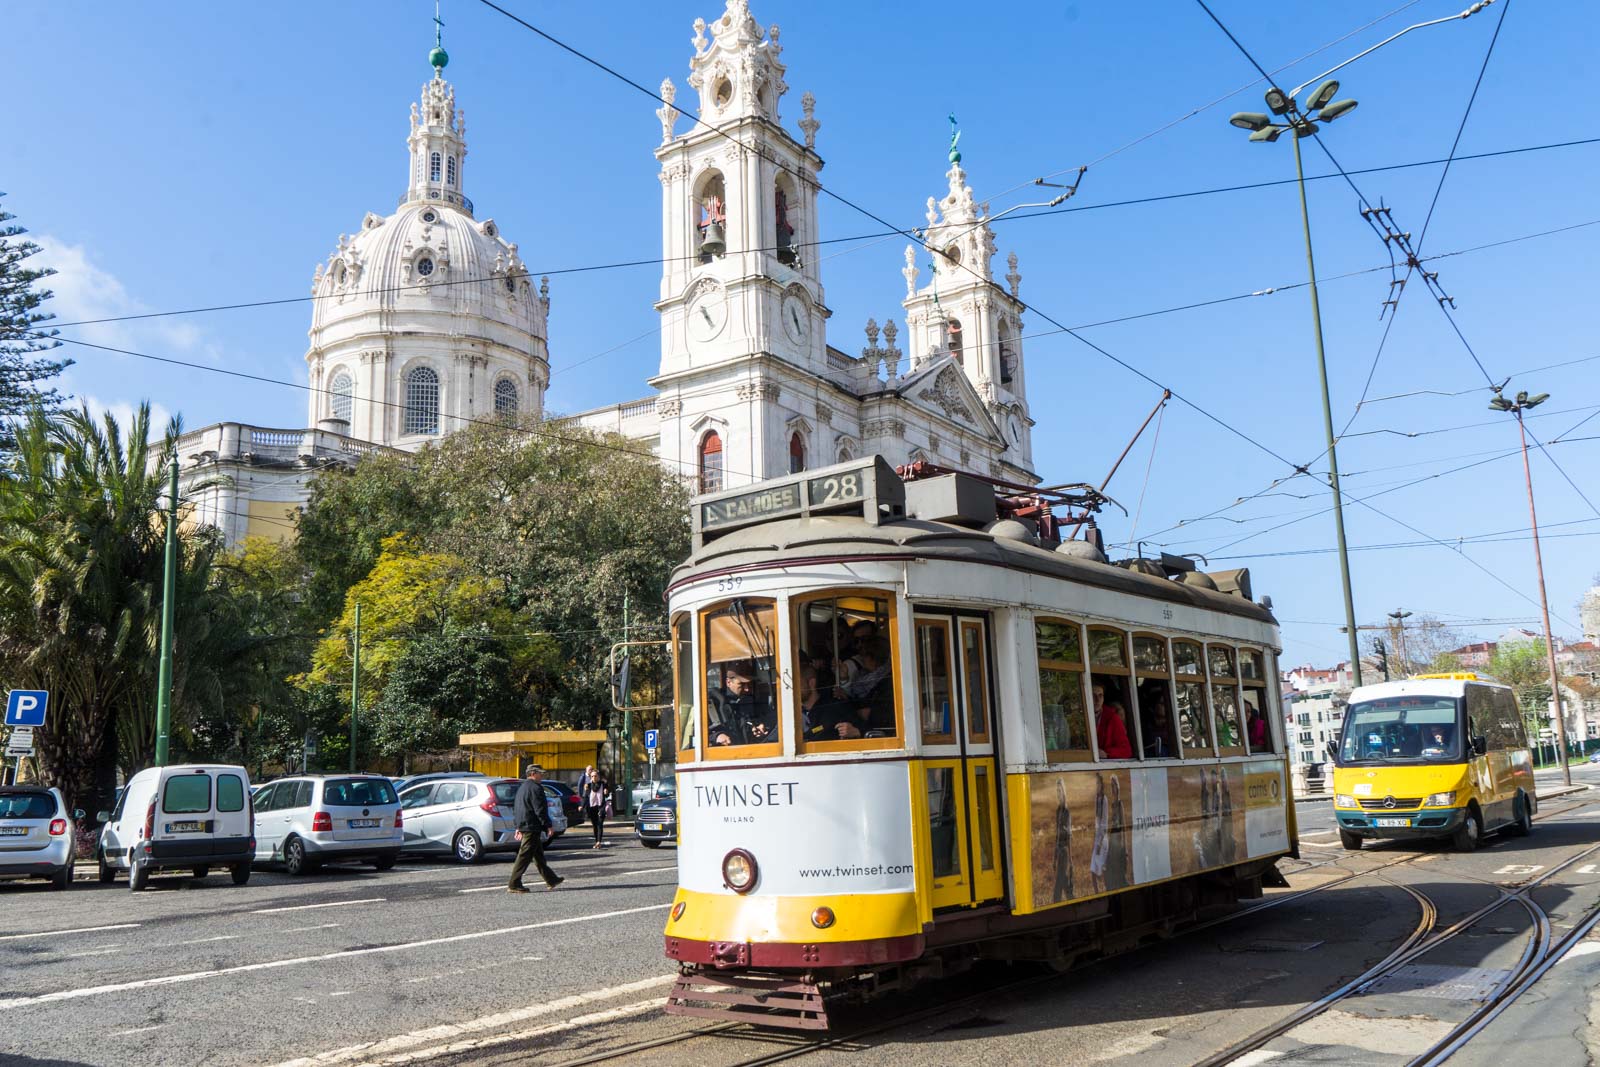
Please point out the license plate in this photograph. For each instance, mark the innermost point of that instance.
(13, 831)
(654, 826)
(185, 827)
(363, 824)
(1393, 822)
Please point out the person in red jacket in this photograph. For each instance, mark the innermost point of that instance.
(1108, 726)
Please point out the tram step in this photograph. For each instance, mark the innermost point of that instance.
(759, 999)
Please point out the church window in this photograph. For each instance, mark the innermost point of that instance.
(422, 401)
(450, 170)
(844, 455)
(954, 327)
(424, 266)
(433, 167)
(723, 93)
(342, 389)
(429, 216)
(1008, 353)
(953, 254)
(797, 453)
(783, 224)
(511, 284)
(506, 400)
(711, 463)
(709, 211)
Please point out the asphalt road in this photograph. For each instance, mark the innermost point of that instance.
(434, 962)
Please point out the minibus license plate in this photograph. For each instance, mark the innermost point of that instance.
(653, 826)
(1394, 822)
(363, 824)
(184, 827)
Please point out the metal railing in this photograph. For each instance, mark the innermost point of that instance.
(443, 196)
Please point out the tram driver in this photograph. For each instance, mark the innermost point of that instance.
(744, 715)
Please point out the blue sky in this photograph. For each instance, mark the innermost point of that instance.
(193, 154)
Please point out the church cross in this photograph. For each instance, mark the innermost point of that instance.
(438, 26)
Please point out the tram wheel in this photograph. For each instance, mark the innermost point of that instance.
(1350, 841)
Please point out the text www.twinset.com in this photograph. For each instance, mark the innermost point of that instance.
(856, 871)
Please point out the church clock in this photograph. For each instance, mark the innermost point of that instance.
(796, 318)
(708, 314)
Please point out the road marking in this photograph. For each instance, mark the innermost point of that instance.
(79, 930)
(403, 1045)
(137, 1030)
(614, 874)
(1583, 948)
(96, 952)
(308, 907)
(1520, 868)
(303, 929)
(343, 993)
(195, 976)
(1587, 868)
(1260, 1055)
(458, 1047)
(207, 940)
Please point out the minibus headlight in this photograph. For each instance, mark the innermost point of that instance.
(739, 871)
(1344, 800)
(1440, 800)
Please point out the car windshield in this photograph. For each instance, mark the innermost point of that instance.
(357, 792)
(27, 805)
(1402, 729)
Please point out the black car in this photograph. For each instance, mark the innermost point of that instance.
(570, 804)
(657, 821)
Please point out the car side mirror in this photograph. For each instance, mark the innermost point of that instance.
(1332, 748)
(77, 813)
(102, 816)
(1480, 745)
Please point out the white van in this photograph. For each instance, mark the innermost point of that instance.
(191, 817)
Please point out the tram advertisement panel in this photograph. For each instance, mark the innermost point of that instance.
(1097, 831)
(837, 828)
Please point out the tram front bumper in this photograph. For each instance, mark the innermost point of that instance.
(725, 931)
(1385, 825)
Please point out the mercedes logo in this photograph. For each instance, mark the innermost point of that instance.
(1388, 802)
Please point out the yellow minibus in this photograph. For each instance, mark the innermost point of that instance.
(1439, 755)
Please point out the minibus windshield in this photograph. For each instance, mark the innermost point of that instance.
(1402, 729)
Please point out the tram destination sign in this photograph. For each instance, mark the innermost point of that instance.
(863, 487)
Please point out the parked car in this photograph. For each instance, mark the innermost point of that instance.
(1595, 758)
(312, 819)
(462, 817)
(657, 821)
(571, 803)
(408, 781)
(187, 816)
(653, 789)
(38, 838)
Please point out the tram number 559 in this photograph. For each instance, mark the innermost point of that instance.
(730, 584)
(836, 489)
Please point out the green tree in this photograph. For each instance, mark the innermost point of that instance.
(1525, 667)
(442, 686)
(23, 338)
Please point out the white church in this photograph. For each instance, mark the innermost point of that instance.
(426, 320)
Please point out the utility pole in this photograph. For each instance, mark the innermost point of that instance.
(1517, 407)
(1400, 618)
(627, 728)
(355, 685)
(169, 596)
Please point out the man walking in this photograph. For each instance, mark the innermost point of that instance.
(533, 826)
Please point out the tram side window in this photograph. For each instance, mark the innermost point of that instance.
(683, 685)
(934, 694)
(844, 668)
(1189, 687)
(1253, 692)
(1225, 699)
(1066, 716)
(1109, 686)
(1155, 697)
(741, 697)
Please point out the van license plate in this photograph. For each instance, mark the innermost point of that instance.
(184, 827)
(1394, 822)
(363, 824)
(13, 831)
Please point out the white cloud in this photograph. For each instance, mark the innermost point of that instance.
(123, 411)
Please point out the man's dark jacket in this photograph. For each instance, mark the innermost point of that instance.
(528, 810)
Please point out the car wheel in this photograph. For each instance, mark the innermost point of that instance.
(1350, 841)
(295, 862)
(647, 843)
(201, 872)
(1523, 826)
(1467, 836)
(384, 863)
(468, 847)
(108, 873)
(62, 878)
(240, 872)
(138, 876)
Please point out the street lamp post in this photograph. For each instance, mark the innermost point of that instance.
(1320, 107)
(1400, 618)
(1516, 407)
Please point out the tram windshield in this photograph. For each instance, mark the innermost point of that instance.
(741, 695)
(844, 670)
(1403, 729)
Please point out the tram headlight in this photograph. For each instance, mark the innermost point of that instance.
(1344, 800)
(739, 871)
(1440, 800)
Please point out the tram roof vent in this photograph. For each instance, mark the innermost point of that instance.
(955, 498)
(1236, 582)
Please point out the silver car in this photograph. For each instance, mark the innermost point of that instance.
(38, 838)
(466, 817)
(305, 821)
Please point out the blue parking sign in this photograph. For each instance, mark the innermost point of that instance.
(26, 707)
(650, 737)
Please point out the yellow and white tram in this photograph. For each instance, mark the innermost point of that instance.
(913, 732)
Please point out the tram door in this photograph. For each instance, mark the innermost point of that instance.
(960, 775)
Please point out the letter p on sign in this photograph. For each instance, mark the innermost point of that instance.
(26, 707)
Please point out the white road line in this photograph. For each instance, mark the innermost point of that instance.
(207, 940)
(137, 1030)
(458, 1047)
(303, 929)
(195, 976)
(308, 907)
(95, 952)
(614, 874)
(79, 930)
(1260, 1055)
(407, 1044)
(1582, 948)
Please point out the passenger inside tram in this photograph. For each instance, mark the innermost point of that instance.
(845, 676)
(1155, 720)
(743, 713)
(1109, 719)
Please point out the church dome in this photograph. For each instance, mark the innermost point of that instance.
(426, 319)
